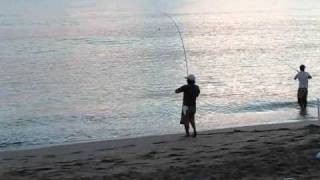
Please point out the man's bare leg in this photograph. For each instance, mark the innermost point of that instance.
(186, 127)
(193, 124)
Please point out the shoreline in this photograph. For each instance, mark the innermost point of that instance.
(246, 119)
(222, 130)
(173, 156)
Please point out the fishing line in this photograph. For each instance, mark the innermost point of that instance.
(272, 5)
(182, 42)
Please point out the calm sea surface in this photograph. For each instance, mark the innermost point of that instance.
(83, 70)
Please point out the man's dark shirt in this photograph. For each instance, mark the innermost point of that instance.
(191, 92)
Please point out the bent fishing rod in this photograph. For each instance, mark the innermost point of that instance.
(184, 49)
(182, 42)
(289, 66)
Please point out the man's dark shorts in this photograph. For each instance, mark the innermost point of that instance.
(302, 96)
(189, 116)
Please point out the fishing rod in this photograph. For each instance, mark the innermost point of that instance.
(289, 66)
(182, 42)
(272, 5)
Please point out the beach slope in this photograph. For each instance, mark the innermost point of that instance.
(260, 152)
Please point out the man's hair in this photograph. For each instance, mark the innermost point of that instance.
(302, 67)
(190, 82)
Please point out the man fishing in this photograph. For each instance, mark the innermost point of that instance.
(190, 93)
(303, 78)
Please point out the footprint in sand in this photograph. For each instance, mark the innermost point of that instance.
(194, 161)
(200, 152)
(247, 167)
(174, 155)
(236, 152)
(205, 146)
(49, 156)
(106, 149)
(269, 143)
(127, 146)
(107, 161)
(299, 137)
(283, 129)
(43, 169)
(237, 130)
(177, 149)
(115, 161)
(248, 147)
(76, 152)
(100, 169)
(137, 164)
(248, 153)
(120, 161)
(79, 164)
(297, 172)
(160, 142)
(279, 149)
(263, 136)
(215, 156)
(68, 164)
(150, 155)
(252, 140)
(31, 156)
(227, 144)
(177, 159)
(22, 172)
(294, 140)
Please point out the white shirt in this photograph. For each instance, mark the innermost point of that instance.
(303, 79)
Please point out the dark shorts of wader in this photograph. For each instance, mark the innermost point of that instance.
(189, 116)
(302, 97)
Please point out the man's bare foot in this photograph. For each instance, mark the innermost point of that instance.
(195, 134)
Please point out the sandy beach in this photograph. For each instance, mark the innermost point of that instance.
(280, 151)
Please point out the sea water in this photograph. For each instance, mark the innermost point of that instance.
(84, 70)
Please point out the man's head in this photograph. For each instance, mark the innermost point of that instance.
(191, 79)
(302, 67)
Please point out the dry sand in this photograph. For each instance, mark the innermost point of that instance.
(281, 151)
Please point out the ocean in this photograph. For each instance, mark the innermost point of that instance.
(87, 70)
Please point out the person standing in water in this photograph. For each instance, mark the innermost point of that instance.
(303, 78)
(190, 93)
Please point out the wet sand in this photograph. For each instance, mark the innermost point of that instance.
(281, 151)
